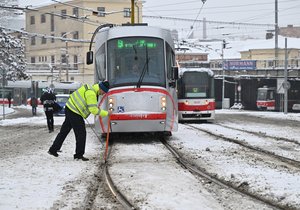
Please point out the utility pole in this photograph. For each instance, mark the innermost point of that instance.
(3, 92)
(67, 62)
(223, 72)
(132, 11)
(67, 54)
(286, 84)
(276, 34)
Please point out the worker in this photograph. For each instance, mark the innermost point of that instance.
(80, 105)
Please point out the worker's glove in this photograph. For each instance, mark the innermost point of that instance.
(103, 113)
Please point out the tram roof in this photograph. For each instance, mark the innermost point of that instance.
(43, 84)
(209, 71)
(133, 31)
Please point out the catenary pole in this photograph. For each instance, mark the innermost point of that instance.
(285, 80)
(132, 11)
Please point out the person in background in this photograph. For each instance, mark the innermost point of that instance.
(33, 103)
(80, 105)
(48, 98)
(9, 99)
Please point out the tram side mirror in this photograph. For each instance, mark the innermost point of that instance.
(172, 84)
(175, 72)
(174, 76)
(89, 57)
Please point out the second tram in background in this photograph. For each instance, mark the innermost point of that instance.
(270, 100)
(139, 63)
(196, 99)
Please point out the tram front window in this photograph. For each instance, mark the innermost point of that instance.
(196, 85)
(262, 95)
(129, 57)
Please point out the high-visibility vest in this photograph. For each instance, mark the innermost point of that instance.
(83, 101)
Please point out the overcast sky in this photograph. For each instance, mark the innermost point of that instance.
(253, 12)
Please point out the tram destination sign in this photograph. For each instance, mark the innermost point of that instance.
(239, 65)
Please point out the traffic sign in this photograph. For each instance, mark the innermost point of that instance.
(286, 85)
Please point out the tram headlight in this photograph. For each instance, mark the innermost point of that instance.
(163, 103)
(111, 103)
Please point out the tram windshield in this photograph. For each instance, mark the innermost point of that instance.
(196, 85)
(262, 95)
(265, 94)
(129, 58)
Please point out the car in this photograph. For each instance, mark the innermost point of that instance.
(296, 107)
(61, 100)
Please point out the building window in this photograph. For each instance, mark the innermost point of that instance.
(101, 11)
(32, 20)
(52, 58)
(127, 12)
(63, 58)
(32, 59)
(43, 59)
(63, 14)
(75, 62)
(75, 12)
(44, 40)
(52, 22)
(32, 40)
(270, 63)
(43, 18)
(75, 35)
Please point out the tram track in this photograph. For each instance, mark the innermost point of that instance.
(113, 188)
(261, 134)
(194, 169)
(289, 161)
(117, 194)
(198, 172)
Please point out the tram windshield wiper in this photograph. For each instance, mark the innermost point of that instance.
(146, 67)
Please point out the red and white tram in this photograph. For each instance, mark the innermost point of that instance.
(139, 63)
(266, 98)
(196, 99)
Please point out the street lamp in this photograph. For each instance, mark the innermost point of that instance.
(67, 54)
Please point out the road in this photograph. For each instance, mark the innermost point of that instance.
(213, 147)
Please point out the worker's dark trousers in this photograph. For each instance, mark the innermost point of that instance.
(50, 120)
(76, 122)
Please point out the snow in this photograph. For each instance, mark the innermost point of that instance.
(35, 180)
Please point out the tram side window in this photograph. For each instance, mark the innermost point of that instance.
(271, 95)
(100, 63)
(170, 61)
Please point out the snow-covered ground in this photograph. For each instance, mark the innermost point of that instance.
(32, 179)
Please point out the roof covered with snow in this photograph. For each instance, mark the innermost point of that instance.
(234, 47)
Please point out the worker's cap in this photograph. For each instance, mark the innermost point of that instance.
(104, 85)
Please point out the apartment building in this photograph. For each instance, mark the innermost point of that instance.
(63, 30)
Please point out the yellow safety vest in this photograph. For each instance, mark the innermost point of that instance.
(83, 101)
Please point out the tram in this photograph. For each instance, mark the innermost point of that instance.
(22, 90)
(139, 63)
(266, 98)
(196, 99)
